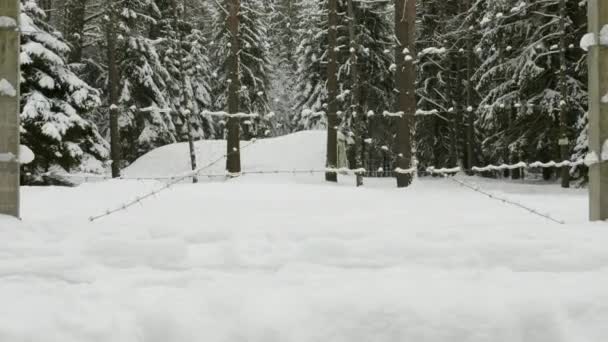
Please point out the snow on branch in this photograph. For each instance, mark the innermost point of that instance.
(229, 115)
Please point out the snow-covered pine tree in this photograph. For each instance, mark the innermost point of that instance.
(254, 66)
(519, 112)
(445, 40)
(374, 32)
(146, 120)
(55, 103)
(74, 21)
(284, 33)
(373, 35)
(185, 57)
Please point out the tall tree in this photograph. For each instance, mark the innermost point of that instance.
(332, 91)
(74, 27)
(113, 88)
(55, 102)
(405, 32)
(233, 161)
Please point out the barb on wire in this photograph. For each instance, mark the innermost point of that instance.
(502, 199)
(174, 181)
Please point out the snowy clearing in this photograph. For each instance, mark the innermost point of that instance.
(266, 258)
(261, 155)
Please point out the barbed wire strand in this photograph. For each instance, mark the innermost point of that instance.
(173, 182)
(429, 170)
(478, 189)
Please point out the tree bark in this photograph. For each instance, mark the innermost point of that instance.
(186, 112)
(405, 54)
(113, 91)
(75, 11)
(470, 118)
(564, 143)
(332, 92)
(47, 7)
(233, 154)
(357, 115)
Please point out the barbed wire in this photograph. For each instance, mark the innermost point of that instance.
(443, 172)
(478, 189)
(173, 182)
(344, 171)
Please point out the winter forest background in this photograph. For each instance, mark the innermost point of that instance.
(489, 78)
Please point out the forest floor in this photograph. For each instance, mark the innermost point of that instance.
(282, 259)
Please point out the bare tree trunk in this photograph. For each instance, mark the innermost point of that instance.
(470, 119)
(75, 11)
(332, 92)
(233, 160)
(47, 7)
(113, 91)
(563, 139)
(455, 103)
(405, 29)
(186, 112)
(357, 115)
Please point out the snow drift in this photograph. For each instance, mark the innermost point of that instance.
(303, 150)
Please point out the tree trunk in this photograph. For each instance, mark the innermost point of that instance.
(186, 112)
(47, 7)
(75, 11)
(332, 92)
(563, 138)
(233, 160)
(357, 115)
(113, 91)
(405, 54)
(470, 118)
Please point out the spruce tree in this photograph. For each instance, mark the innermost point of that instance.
(55, 102)
(254, 67)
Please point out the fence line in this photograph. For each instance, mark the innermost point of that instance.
(173, 182)
(345, 171)
(478, 189)
(444, 172)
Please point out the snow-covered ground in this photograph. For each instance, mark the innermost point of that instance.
(299, 151)
(292, 259)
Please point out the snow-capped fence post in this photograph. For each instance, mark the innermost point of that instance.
(598, 110)
(9, 107)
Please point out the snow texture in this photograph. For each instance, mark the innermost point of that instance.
(7, 89)
(294, 259)
(7, 157)
(26, 155)
(7, 22)
(590, 39)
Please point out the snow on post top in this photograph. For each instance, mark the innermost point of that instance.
(590, 40)
(7, 22)
(7, 89)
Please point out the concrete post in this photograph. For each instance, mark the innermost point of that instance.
(9, 107)
(598, 112)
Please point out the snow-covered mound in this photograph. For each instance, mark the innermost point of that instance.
(303, 150)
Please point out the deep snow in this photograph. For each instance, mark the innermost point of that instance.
(282, 259)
